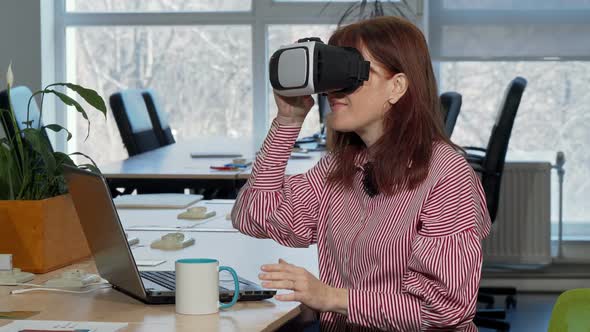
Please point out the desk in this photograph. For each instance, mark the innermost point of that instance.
(108, 305)
(241, 252)
(171, 168)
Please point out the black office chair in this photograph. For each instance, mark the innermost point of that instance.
(489, 162)
(450, 106)
(139, 135)
(134, 122)
(19, 98)
(158, 117)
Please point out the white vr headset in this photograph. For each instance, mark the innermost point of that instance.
(310, 66)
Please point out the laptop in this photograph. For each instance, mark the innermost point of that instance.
(112, 254)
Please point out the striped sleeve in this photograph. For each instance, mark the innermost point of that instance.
(439, 289)
(272, 205)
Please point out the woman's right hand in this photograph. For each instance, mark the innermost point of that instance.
(292, 110)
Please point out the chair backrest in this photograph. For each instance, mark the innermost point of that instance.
(570, 312)
(133, 121)
(19, 98)
(493, 162)
(158, 117)
(451, 106)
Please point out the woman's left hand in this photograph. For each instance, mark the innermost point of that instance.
(306, 288)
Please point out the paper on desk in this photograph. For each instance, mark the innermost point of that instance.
(63, 326)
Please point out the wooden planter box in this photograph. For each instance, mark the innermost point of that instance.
(42, 235)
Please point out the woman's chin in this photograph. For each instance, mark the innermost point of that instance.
(336, 123)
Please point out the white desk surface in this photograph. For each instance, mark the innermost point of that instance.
(174, 161)
(234, 249)
(230, 248)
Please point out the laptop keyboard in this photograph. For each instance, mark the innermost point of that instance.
(164, 278)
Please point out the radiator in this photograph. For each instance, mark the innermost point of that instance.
(521, 233)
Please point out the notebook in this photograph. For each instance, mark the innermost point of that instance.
(156, 201)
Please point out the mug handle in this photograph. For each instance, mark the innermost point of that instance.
(236, 287)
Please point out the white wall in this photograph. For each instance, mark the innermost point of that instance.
(20, 40)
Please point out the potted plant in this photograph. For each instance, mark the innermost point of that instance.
(38, 223)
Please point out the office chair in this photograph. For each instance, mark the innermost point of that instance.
(19, 98)
(490, 165)
(134, 122)
(451, 106)
(570, 312)
(158, 117)
(139, 135)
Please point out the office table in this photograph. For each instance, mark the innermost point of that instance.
(109, 305)
(171, 168)
(241, 252)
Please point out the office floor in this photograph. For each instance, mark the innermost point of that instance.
(531, 314)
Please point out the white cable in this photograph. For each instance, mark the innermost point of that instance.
(35, 285)
(19, 291)
(21, 284)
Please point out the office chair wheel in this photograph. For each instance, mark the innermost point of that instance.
(510, 302)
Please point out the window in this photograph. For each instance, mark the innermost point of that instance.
(481, 46)
(202, 74)
(157, 5)
(207, 60)
(552, 117)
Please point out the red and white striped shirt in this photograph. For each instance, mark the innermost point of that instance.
(410, 261)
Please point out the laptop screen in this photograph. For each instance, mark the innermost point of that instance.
(104, 233)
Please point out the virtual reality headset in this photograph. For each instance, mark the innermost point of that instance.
(310, 66)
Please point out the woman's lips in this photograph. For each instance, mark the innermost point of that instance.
(336, 106)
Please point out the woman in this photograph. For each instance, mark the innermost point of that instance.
(397, 213)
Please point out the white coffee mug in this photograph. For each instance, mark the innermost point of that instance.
(197, 286)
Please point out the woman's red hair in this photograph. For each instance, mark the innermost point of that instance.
(412, 124)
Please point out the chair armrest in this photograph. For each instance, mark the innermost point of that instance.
(474, 148)
(476, 167)
(474, 159)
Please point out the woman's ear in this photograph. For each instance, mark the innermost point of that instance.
(399, 86)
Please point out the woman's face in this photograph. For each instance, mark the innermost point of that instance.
(363, 110)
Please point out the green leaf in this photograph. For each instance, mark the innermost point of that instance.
(71, 102)
(63, 159)
(87, 157)
(91, 168)
(57, 128)
(41, 146)
(7, 179)
(89, 95)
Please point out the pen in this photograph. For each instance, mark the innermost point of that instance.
(224, 168)
(237, 165)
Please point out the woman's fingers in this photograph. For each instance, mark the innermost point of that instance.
(282, 284)
(287, 297)
(278, 268)
(276, 276)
